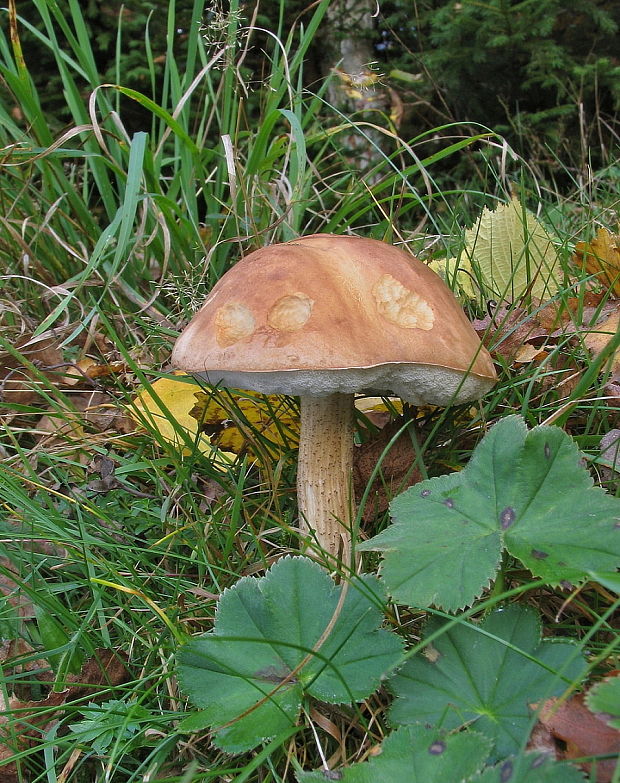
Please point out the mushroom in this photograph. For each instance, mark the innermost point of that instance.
(323, 317)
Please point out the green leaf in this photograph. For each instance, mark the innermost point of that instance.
(106, 722)
(249, 674)
(522, 491)
(57, 643)
(513, 254)
(486, 675)
(610, 580)
(605, 697)
(417, 755)
(530, 768)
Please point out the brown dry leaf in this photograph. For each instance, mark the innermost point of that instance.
(563, 376)
(106, 667)
(601, 257)
(8, 742)
(11, 590)
(14, 651)
(96, 408)
(542, 741)
(78, 372)
(101, 411)
(329, 727)
(598, 336)
(584, 733)
(397, 108)
(530, 353)
(88, 369)
(58, 431)
(519, 338)
(64, 428)
(19, 732)
(612, 392)
(610, 450)
(507, 329)
(105, 370)
(18, 384)
(554, 315)
(104, 469)
(396, 469)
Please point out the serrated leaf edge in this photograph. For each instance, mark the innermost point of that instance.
(433, 600)
(593, 691)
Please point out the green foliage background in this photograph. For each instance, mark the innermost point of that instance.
(546, 75)
(117, 34)
(121, 206)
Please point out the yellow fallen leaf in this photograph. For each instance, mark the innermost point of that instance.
(165, 406)
(225, 423)
(377, 410)
(601, 257)
(241, 420)
(457, 273)
(378, 404)
(513, 254)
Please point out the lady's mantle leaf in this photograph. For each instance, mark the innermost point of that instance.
(244, 674)
(487, 674)
(523, 491)
(604, 697)
(530, 768)
(106, 723)
(417, 755)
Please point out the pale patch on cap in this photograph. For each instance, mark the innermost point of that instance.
(290, 312)
(401, 306)
(233, 322)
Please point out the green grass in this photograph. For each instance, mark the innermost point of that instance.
(108, 243)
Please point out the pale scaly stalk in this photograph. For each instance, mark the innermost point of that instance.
(324, 488)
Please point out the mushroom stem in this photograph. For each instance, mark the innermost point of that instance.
(324, 473)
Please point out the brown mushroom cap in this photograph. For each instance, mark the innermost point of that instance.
(329, 313)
